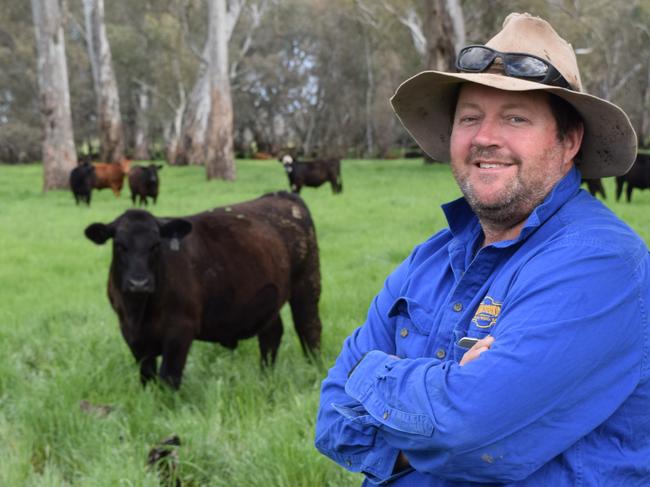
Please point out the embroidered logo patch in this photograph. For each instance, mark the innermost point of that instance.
(487, 313)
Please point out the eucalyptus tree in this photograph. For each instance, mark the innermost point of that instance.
(109, 117)
(59, 154)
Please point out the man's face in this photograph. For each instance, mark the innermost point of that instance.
(505, 153)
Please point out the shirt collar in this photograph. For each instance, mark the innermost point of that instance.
(464, 224)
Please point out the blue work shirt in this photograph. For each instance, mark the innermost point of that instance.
(561, 398)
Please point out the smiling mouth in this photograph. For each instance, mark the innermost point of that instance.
(492, 165)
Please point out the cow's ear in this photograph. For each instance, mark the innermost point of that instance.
(99, 232)
(176, 228)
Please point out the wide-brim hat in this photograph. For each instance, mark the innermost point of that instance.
(425, 103)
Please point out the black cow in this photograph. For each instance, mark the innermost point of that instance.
(637, 177)
(219, 276)
(313, 173)
(82, 180)
(595, 186)
(144, 183)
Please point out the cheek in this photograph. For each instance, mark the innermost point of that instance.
(459, 145)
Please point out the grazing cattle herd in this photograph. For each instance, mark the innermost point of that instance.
(224, 274)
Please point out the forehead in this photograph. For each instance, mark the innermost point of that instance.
(485, 97)
(131, 226)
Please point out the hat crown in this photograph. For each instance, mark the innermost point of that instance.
(524, 33)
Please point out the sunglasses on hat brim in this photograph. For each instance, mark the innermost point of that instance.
(476, 59)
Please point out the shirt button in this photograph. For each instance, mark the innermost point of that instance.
(404, 332)
(386, 414)
(440, 353)
(458, 306)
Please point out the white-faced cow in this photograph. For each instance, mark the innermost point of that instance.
(82, 180)
(219, 276)
(313, 173)
(144, 183)
(637, 177)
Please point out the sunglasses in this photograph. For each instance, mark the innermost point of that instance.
(476, 59)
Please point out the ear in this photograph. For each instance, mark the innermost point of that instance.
(99, 232)
(573, 141)
(176, 228)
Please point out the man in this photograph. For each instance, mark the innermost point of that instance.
(554, 286)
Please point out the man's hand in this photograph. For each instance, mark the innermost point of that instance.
(402, 463)
(478, 348)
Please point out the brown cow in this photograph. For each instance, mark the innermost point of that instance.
(109, 175)
(219, 276)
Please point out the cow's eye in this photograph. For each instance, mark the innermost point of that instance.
(154, 247)
(120, 247)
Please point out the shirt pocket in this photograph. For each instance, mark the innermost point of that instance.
(481, 324)
(413, 324)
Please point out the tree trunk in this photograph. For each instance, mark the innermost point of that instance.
(370, 88)
(219, 158)
(111, 132)
(141, 150)
(59, 153)
(191, 148)
(440, 33)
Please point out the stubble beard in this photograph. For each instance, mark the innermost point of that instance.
(518, 199)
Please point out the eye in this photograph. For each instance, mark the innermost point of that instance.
(467, 119)
(120, 247)
(154, 247)
(516, 119)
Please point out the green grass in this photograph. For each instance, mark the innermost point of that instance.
(238, 425)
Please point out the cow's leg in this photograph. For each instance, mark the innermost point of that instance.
(269, 340)
(628, 192)
(133, 198)
(175, 351)
(305, 293)
(619, 187)
(146, 358)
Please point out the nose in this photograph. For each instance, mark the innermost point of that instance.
(139, 285)
(488, 134)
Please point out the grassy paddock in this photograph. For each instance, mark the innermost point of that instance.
(238, 425)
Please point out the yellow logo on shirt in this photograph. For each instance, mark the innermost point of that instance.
(487, 313)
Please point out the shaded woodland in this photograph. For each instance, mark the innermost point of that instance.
(204, 81)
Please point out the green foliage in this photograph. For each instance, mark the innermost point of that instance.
(238, 424)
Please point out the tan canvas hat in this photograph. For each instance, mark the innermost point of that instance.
(425, 102)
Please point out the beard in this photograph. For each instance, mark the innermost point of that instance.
(521, 195)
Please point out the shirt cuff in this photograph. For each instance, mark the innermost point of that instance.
(375, 365)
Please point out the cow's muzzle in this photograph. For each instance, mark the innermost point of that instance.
(142, 285)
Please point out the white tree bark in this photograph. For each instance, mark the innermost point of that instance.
(111, 131)
(59, 153)
(193, 139)
(141, 142)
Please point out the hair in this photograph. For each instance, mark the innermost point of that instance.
(566, 116)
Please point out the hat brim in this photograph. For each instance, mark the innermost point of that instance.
(425, 105)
